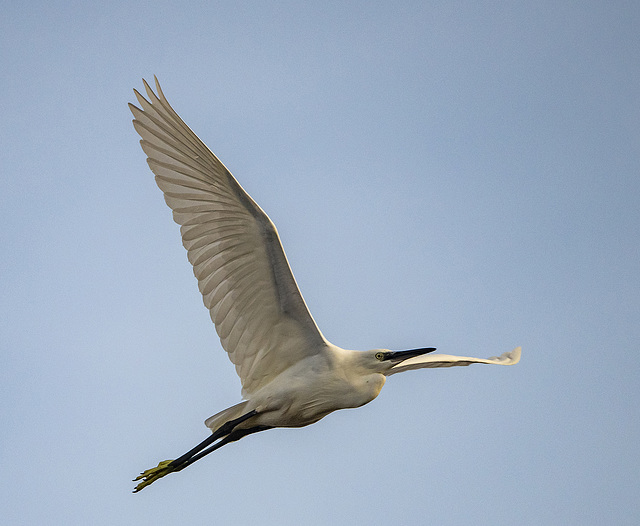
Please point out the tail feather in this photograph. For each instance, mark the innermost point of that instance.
(230, 413)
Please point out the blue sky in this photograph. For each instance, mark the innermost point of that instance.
(463, 175)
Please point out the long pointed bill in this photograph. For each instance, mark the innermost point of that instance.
(399, 356)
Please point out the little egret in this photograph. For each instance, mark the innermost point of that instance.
(291, 375)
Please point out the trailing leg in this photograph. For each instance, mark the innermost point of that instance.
(231, 437)
(169, 466)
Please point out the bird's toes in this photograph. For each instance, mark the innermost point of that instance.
(151, 475)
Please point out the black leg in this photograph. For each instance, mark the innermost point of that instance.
(231, 437)
(226, 432)
(223, 430)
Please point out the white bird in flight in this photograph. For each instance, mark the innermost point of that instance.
(291, 375)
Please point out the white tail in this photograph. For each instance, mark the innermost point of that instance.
(231, 413)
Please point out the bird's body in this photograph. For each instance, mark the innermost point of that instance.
(314, 387)
(291, 375)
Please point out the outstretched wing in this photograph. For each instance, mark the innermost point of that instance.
(242, 271)
(446, 360)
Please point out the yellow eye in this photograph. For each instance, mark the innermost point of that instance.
(380, 356)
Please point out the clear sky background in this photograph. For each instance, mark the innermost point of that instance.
(463, 175)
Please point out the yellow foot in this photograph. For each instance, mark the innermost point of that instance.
(151, 475)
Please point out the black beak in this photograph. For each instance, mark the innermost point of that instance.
(399, 356)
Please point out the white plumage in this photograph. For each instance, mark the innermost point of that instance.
(291, 375)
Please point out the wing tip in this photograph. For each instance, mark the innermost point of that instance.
(509, 358)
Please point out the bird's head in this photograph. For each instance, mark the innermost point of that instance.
(382, 360)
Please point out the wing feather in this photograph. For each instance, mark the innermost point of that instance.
(236, 253)
(446, 360)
